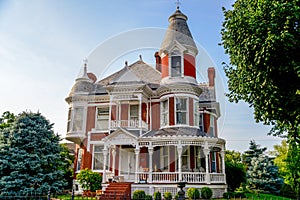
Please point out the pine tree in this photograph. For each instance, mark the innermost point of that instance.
(30, 159)
(262, 174)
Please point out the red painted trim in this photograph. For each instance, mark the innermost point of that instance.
(189, 65)
(171, 111)
(165, 66)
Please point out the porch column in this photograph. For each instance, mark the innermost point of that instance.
(150, 150)
(206, 153)
(137, 163)
(179, 152)
(105, 153)
(222, 153)
(114, 153)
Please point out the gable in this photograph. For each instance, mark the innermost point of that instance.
(121, 137)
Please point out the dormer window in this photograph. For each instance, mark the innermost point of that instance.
(176, 64)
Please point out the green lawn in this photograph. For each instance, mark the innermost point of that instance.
(260, 196)
(68, 197)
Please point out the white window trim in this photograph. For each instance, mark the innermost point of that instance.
(167, 112)
(96, 118)
(167, 165)
(181, 54)
(83, 118)
(187, 111)
(93, 158)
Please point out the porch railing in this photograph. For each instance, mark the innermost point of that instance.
(173, 177)
(128, 124)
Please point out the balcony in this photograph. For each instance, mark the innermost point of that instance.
(130, 124)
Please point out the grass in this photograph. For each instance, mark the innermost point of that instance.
(69, 197)
(261, 196)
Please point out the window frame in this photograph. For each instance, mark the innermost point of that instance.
(103, 118)
(181, 111)
(176, 71)
(164, 112)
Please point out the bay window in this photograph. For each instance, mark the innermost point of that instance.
(176, 64)
(78, 119)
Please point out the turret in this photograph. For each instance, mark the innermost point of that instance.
(178, 52)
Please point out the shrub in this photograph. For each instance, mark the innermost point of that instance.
(168, 196)
(89, 180)
(157, 195)
(193, 193)
(148, 197)
(139, 195)
(176, 197)
(206, 193)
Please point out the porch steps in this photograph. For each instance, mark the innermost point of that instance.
(117, 191)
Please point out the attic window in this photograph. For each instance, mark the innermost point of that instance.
(176, 64)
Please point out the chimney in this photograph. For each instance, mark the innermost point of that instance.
(211, 76)
(158, 61)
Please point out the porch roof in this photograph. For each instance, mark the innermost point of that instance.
(176, 131)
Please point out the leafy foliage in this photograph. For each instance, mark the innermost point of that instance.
(168, 196)
(157, 195)
(235, 174)
(232, 156)
(206, 193)
(262, 39)
(139, 195)
(89, 180)
(193, 193)
(30, 158)
(68, 160)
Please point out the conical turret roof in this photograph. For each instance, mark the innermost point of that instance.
(178, 30)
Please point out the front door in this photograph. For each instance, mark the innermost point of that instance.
(127, 163)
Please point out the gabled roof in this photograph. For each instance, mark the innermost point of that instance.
(136, 72)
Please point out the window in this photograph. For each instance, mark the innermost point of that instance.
(69, 119)
(79, 159)
(185, 159)
(98, 158)
(78, 119)
(164, 158)
(181, 111)
(213, 162)
(196, 113)
(201, 126)
(134, 112)
(212, 126)
(164, 113)
(175, 64)
(102, 118)
(197, 156)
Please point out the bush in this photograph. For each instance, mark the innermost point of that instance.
(228, 195)
(157, 195)
(89, 180)
(176, 197)
(148, 197)
(167, 196)
(193, 193)
(139, 195)
(206, 193)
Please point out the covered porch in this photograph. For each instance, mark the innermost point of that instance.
(150, 160)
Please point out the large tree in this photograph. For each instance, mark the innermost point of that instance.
(262, 39)
(30, 159)
(262, 174)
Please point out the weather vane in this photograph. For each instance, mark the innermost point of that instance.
(177, 3)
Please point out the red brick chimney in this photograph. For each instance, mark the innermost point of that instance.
(158, 61)
(211, 76)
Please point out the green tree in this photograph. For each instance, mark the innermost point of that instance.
(292, 176)
(235, 174)
(30, 159)
(254, 151)
(235, 170)
(280, 152)
(261, 173)
(262, 39)
(6, 119)
(67, 160)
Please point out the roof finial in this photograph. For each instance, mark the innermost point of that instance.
(85, 61)
(141, 59)
(178, 4)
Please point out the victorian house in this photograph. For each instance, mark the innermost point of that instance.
(152, 126)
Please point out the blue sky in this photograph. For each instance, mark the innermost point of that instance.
(43, 43)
